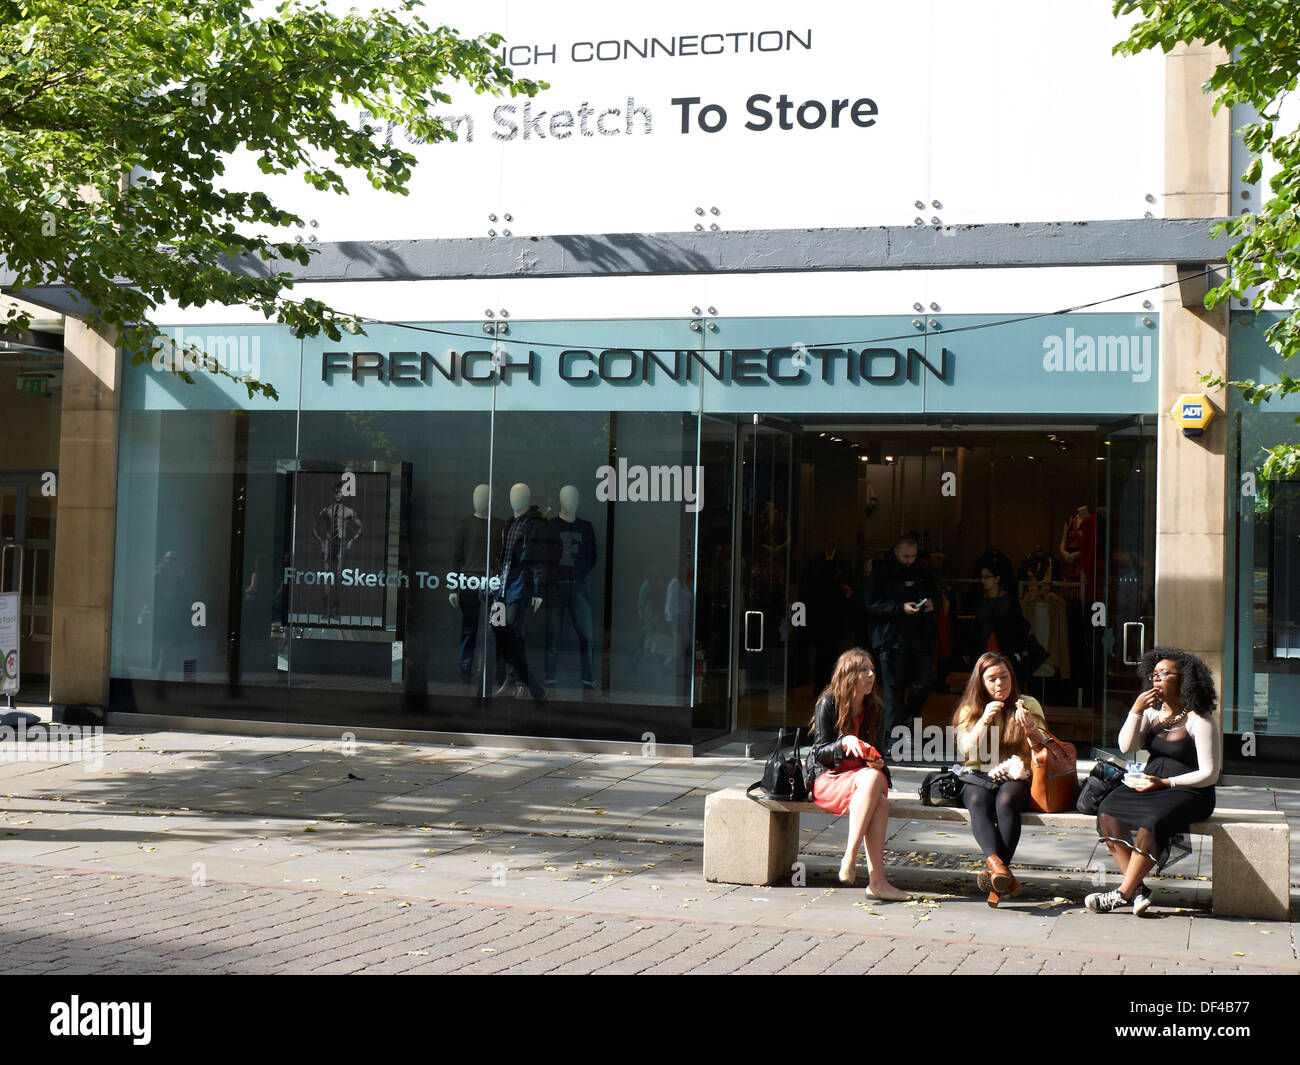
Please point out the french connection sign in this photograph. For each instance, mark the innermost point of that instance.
(1064, 364)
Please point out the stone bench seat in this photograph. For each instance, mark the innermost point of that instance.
(756, 841)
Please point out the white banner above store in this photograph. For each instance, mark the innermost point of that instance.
(676, 115)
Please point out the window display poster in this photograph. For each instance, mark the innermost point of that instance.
(337, 575)
(9, 642)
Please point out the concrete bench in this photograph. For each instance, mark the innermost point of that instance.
(756, 841)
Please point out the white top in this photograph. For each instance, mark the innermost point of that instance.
(1133, 736)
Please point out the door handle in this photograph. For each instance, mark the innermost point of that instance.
(4, 567)
(752, 616)
(1142, 642)
(31, 596)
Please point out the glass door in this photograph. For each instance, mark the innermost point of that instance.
(27, 515)
(1122, 575)
(712, 709)
(766, 521)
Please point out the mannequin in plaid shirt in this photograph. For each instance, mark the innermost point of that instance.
(525, 564)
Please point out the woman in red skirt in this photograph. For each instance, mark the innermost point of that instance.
(849, 775)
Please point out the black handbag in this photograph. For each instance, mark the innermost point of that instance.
(943, 788)
(1104, 778)
(783, 776)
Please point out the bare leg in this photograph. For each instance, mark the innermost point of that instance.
(877, 830)
(859, 812)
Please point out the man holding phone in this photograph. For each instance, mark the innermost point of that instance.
(901, 601)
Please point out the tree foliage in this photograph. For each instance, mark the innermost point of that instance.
(1262, 40)
(95, 91)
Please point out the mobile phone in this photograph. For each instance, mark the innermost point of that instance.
(920, 604)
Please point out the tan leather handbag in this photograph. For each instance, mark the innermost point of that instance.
(1054, 779)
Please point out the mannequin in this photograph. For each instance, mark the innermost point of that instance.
(470, 558)
(574, 542)
(525, 557)
(336, 528)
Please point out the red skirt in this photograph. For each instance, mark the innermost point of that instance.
(833, 790)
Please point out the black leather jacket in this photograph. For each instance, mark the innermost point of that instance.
(827, 750)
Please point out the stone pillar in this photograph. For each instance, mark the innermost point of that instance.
(87, 494)
(1191, 522)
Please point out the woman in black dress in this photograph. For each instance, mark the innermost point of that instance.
(1174, 720)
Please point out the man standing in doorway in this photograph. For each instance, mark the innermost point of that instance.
(900, 613)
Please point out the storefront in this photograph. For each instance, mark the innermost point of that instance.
(1262, 692)
(717, 445)
(335, 556)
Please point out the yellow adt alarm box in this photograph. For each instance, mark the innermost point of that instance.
(1192, 412)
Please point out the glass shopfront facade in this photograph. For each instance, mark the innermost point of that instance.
(1262, 694)
(610, 529)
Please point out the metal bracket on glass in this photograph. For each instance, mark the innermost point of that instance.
(750, 615)
(1142, 642)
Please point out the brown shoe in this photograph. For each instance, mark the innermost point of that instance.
(983, 883)
(993, 899)
(1016, 886)
(999, 875)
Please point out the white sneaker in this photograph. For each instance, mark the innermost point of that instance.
(1141, 900)
(1105, 901)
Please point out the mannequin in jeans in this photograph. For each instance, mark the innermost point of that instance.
(525, 554)
(574, 540)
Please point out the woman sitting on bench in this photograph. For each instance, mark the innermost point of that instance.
(992, 700)
(849, 775)
(1174, 720)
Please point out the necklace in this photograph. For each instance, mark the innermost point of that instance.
(1169, 722)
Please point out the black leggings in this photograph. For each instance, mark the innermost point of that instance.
(995, 816)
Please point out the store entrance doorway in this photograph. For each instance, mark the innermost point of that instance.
(1062, 513)
(27, 511)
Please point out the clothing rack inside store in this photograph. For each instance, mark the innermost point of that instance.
(1026, 585)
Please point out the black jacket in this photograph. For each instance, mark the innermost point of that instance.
(892, 585)
(827, 750)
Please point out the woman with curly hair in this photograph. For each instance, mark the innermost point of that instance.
(1174, 720)
(996, 723)
(849, 775)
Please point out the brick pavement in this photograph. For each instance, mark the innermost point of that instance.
(68, 920)
(398, 857)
